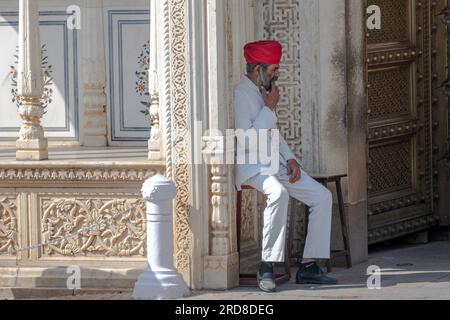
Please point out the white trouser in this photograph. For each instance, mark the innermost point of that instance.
(310, 192)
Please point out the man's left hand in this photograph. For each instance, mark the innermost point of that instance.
(294, 171)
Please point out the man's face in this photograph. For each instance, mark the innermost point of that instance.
(274, 71)
(268, 75)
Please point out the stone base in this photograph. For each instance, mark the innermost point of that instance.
(57, 294)
(94, 141)
(59, 277)
(154, 151)
(31, 155)
(159, 285)
(357, 221)
(221, 272)
(32, 150)
(154, 155)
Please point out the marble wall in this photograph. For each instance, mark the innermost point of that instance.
(123, 48)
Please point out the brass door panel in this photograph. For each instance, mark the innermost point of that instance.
(399, 119)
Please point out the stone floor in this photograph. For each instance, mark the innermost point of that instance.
(407, 272)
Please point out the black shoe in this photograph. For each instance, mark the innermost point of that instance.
(265, 277)
(310, 273)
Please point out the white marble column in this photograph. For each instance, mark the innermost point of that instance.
(94, 74)
(154, 143)
(222, 263)
(32, 144)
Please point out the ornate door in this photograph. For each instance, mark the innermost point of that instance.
(401, 79)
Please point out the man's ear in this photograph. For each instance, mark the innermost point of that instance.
(258, 68)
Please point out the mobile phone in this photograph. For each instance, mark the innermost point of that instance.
(270, 86)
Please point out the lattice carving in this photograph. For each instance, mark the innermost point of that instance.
(282, 22)
(389, 93)
(112, 235)
(390, 167)
(8, 225)
(394, 21)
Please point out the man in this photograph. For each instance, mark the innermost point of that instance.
(256, 99)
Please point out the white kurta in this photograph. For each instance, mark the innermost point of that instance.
(252, 114)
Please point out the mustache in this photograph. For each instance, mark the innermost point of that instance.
(264, 80)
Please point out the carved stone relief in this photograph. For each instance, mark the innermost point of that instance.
(94, 226)
(25, 175)
(179, 157)
(8, 225)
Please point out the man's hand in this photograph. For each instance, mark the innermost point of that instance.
(271, 98)
(294, 171)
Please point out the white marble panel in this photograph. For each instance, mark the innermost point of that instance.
(128, 33)
(61, 45)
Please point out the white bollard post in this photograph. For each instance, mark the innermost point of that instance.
(160, 280)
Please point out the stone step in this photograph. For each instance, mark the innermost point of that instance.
(64, 294)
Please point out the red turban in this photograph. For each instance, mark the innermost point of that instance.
(263, 52)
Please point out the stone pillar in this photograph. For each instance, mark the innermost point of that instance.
(154, 143)
(160, 280)
(222, 263)
(333, 99)
(356, 131)
(32, 144)
(94, 73)
(174, 71)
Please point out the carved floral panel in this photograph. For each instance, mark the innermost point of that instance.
(8, 226)
(93, 227)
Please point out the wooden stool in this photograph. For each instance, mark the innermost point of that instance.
(324, 180)
(250, 279)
